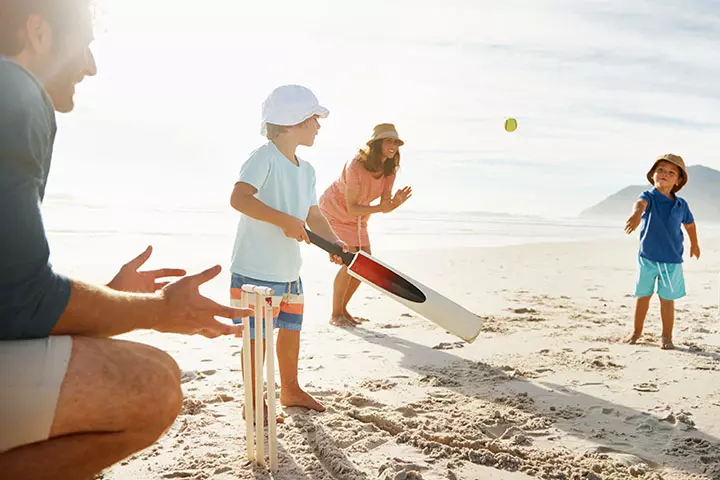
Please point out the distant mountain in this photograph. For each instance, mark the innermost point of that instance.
(702, 194)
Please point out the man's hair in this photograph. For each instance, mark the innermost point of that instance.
(61, 14)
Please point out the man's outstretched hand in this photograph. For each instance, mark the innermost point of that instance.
(186, 311)
(129, 279)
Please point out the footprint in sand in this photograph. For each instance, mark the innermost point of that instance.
(190, 375)
(692, 347)
(181, 474)
(399, 469)
(653, 424)
(448, 346)
(377, 385)
(361, 401)
(624, 458)
(597, 349)
(682, 420)
(605, 410)
(221, 398)
(683, 447)
(522, 310)
(407, 412)
(192, 406)
(646, 387)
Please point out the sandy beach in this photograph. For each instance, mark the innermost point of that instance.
(526, 131)
(546, 391)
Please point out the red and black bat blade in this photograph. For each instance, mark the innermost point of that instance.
(372, 271)
(386, 279)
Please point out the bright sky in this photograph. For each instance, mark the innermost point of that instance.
(599, 88)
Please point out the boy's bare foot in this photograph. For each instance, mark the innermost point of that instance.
(278, 419)
(632, 339)
(341, 321)
(666, 343)
(300, 398)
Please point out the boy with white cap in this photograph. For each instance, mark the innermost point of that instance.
(662, 213)
(275, 192)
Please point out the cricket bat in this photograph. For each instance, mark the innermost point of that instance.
(414, 295)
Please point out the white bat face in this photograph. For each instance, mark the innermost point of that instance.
(417, 297)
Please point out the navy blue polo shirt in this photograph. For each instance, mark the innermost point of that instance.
(32, 295)
(661, 237)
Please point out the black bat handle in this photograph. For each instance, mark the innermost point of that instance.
(330, 247)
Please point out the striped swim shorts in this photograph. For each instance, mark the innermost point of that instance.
(288, 301)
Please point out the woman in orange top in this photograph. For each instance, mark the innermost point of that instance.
(346, 205)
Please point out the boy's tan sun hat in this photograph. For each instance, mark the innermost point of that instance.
(384, 130)
(676, 160)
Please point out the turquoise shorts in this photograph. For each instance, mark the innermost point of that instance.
(667, 276)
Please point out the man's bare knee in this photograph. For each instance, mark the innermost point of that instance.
(158, 402)
(165, 396)
(118, 386)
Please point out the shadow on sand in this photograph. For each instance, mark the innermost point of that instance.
(611, 427)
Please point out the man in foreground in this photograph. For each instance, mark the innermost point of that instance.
(73, 401)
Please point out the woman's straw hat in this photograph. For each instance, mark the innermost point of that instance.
(384, 130)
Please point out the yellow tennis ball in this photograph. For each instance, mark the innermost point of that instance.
(510, 125)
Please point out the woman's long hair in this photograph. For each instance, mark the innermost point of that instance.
(371, 158)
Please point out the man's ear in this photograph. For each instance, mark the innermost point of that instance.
(38, 34)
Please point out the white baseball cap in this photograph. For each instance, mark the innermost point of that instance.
(289, 105)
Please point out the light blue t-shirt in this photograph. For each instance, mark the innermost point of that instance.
(262, 251)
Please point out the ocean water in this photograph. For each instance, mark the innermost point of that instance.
(402, 229)
(90, 241)
(423, 230)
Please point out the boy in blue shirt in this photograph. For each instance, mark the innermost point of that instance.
(276, 195)
(662, 213)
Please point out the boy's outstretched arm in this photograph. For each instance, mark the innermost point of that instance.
(244, 201)
(691, 229)
(636, 216)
